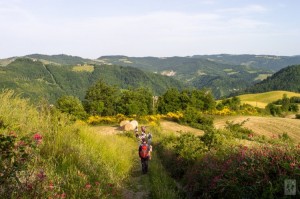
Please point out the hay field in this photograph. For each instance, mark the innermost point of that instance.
(268, 126)
(262, 99)
(176, 128)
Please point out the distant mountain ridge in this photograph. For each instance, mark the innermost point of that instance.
(268, 62)
(35, 79)
(224, 74)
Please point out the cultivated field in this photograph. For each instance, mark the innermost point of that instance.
(262, 99)
(268, 126)
(175, 127)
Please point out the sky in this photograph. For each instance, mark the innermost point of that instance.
(160, 28)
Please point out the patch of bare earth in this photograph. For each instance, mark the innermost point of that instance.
(177, 128)
(137, 188)
(107, 130)
(268, 126)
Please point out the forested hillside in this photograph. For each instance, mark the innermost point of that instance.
(268, 62)
(224, 75)
(287, 79)
(35, 79)
(221, 78)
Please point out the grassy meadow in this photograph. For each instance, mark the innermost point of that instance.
(262, 99)
(47, 155)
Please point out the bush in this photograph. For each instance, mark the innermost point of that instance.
(244, 173)
(194, 118)
(17, 166)
(238, 130)
(178, 153)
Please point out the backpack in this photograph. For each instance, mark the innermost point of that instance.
(144, 151)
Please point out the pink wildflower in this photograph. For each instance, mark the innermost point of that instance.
(63, 195)
(29, 186)
(51, 186)
(88, 186)
(21, 143)
(38, 138)
(292, 165)
(41, 175)
(97, 183)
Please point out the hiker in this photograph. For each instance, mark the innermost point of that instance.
(144, 154)
(143, 129)
(136, 131)
(143, 133)
(149, 138)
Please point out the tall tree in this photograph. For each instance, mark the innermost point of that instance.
(135, 101)
(170, 101)
(101, 99)
(71, 105)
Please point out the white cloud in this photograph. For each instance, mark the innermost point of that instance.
(166, 33)
(249, 9)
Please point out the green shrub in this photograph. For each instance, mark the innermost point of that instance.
(244, 172)
(194, 118)
(238, 130)
(18, 175)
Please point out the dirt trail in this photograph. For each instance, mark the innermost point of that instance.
(136, 188)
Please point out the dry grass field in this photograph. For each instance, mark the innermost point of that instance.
(175, 127)
(262, 99)
(268, 126)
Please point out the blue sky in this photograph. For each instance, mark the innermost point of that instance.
(93, 28)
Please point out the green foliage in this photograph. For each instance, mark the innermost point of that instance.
(135, 101)
(194, 118)
(162, 185)
(198, 71)
(189, 147)
(273, 109)
(233, 103)
(72, 160)
(101, 99)
(285, 79)
(38, 79)
(242, 172)
(17, 175)
(71, 105)
(169, 101)
(238, 130)
(59, 59)
(216, 139)
(173, 100)
(277, 107)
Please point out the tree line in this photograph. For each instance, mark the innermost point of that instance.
(106, 100)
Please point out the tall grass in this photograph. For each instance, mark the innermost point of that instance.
(162, 185)
(77, 162)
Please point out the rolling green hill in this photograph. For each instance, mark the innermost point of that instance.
(36, 80)
(223, 74)
(287, 79)
(221, 78)
(262, 99)
(268, 62)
